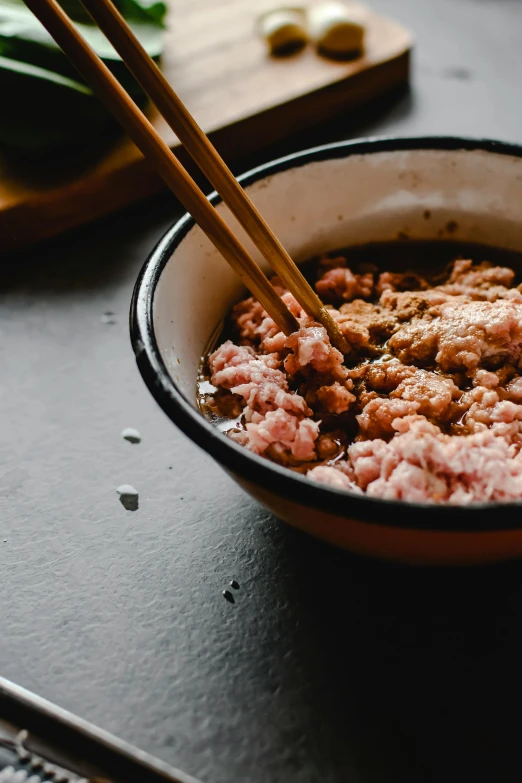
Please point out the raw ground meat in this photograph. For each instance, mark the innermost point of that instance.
(462, 335)
(344, 285)
(425, 407)
(421, 464)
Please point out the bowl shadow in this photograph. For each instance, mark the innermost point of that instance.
(413, 674)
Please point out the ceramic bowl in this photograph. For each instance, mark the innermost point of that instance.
(319, 200)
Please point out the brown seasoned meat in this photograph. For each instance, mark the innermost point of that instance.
(406, 305)
(335, 398)
(366, 326)
(463, 336)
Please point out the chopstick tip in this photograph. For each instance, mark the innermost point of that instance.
(337, 338)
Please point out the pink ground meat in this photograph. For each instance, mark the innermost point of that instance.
(236, 368)
(310, 350)
(342, 284)
(333, 477)
(427, 405)
(378, 415)
(296, 436)
(422, 464)
(481, 281)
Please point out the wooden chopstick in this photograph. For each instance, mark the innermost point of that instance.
(118, 102)
(197, 144)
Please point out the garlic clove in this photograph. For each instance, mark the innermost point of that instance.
(284, 29)
(337, 29)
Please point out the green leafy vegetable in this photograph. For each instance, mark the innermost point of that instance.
(48, 100)
(151, 11)
(32, 124)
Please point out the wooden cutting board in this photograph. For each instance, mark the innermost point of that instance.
(241, 96)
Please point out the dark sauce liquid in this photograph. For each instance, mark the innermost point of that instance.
(429, 259)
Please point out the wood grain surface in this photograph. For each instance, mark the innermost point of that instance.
(241, 96)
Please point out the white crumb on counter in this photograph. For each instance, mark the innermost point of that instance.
(130, 434)
(129, 497)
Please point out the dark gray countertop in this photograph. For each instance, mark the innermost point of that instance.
(327, 668)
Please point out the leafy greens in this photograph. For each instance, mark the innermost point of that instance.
(48, 101)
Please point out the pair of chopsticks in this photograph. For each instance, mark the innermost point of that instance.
(140, 130)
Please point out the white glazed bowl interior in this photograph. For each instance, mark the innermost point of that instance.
(332, 198)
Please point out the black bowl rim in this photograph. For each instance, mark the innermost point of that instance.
(258, 470)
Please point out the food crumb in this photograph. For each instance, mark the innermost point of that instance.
(130, 434)
(227, 595)
(129, 497)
